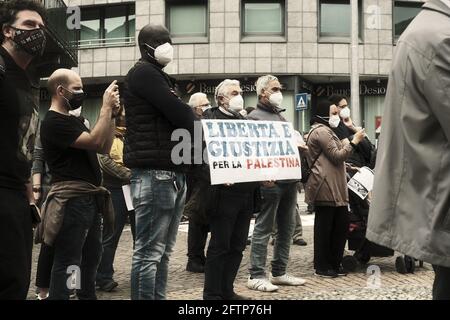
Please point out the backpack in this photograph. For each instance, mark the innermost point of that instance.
(305, 167)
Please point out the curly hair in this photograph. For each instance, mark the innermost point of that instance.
(9, 10)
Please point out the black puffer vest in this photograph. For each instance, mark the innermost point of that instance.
(147, 141)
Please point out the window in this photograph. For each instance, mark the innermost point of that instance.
(335, 19)
(107, 26)
(404, 13)
(187, 20)
(263, 18)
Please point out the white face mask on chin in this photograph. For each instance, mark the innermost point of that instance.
(76, 112)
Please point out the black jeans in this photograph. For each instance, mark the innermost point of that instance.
(77, 245)
(229, 231)
(441, 285)
(330, 234)
(197, 235)
(16, 242)
(105, 270)
(44, 266)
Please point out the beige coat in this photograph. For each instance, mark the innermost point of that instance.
(327, 184)
(410, 210)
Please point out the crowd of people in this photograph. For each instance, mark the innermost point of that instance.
(78, 207)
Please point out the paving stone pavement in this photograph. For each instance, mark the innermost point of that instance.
(183, 285)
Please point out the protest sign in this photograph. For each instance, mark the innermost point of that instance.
(245, 151)
(362, 182)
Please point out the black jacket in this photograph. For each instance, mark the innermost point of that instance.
(153, 112)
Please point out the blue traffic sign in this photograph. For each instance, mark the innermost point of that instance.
(301, 101)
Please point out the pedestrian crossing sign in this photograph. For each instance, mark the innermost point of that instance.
(301, 101)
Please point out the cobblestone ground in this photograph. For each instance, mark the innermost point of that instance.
(185, 285)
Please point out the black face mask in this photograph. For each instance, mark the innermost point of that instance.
(31, 41)
(76, 100)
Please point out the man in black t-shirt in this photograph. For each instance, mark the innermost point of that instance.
(22, 39)
(70, 151)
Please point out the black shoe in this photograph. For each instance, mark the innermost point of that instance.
(326, 274)
(194, 266)
(108, 285)
(341, 272)
(300, 242)
(238, 297)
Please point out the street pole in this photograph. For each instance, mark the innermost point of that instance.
(354, 87)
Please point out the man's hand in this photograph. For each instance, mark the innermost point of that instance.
(111, 98)
(268, 184)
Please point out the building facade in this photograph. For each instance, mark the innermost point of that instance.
(306, 43)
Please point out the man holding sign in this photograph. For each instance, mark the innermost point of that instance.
(232, 210)
(278, 204)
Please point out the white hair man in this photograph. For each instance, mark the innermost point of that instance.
(279, 199)
(232, 209)
(199, 102)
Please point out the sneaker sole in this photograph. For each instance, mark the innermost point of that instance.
(288, 284)
(257, 289)
(323, 276)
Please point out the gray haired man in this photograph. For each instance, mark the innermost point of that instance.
(278, 204)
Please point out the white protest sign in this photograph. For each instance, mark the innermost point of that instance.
(127, 195)
(362, 182)
(245, 151)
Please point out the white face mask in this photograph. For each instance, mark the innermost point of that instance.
(163, 53)
(76, 112)
(276, 99)
(236, 103)
(334, 121)
(345, 113)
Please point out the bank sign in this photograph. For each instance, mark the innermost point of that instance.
(371, 88)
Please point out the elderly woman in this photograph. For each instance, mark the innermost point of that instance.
(327, 190)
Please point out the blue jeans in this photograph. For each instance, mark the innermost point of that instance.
(78, 243)
(278, 206)
(158, 200)
(111, 240)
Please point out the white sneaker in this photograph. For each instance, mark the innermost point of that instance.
(287, 280)
(261, 285)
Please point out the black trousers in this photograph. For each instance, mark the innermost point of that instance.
(330, 234)
(44, 266)
(197, 235)
(229, 230)
(16, 242)
(441, 285)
